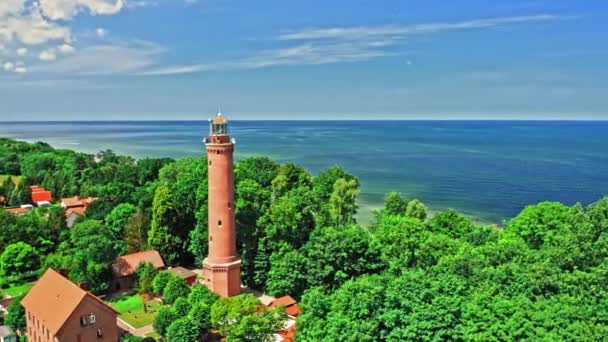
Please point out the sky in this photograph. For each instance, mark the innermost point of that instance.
(313, 59)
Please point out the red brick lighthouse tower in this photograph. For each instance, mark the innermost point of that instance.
(222, 267)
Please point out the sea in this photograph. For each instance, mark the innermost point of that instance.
(487, 170)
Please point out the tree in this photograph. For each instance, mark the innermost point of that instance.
(416, 209)
(176, 288)
(165, 316)
(183, 330)
(136, 232)
(342, 203)
(200, 294)
(335, 255)
(181, 306)
(160, 236)
(289, 177)
(17, 260)
(87, 255)
(395, 204)
(243, 318)
(118, 219)
(15, 317)
(288, 273)
(200, 316)
(450, 223)
(99, 209)
(145, 275)
(160, 282)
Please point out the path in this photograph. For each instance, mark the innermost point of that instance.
(142, 332)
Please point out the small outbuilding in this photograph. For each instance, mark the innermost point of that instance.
(188, 276)
(126, 265)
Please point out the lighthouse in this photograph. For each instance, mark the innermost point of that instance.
(222, 266)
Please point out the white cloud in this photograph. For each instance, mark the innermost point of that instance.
(101, 32)
(20, 69)
(365, 32)
(47, 55)
(66, 49)
(22, 51)
(132, 4)
(108, 59)
(67, 9)
(176, 70)
(8, 66)
(32, 29)
(11, 7)
(343, 44)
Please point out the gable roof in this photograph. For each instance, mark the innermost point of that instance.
(283, 301)
(54, 298)
(17, 211)
(41, 195)
(127, 264)
(72, 202)
(182, 272)
(71, 211)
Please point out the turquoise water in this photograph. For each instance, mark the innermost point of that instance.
(486, 169)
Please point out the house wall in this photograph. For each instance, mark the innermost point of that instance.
(72, 331)
(105, 318)
(123, 283)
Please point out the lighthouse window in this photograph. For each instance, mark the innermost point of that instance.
(211, 239)
(210, 163)
(229, 205)
(219, 223)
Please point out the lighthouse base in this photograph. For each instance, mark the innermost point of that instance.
(223, 279)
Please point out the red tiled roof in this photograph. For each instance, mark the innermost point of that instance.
(182, 272)
(78, 211)
(289, 334)
(127, 264)
(54, 298)
(293, 310)
(283, 301)
(17, 211)
(72, 202)
(41, 195)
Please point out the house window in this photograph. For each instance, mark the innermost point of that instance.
(92, 318)
(83, 320)
(99, 333)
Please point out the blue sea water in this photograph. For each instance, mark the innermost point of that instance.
(488, 170)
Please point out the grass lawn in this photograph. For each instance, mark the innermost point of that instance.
(17, 290)
(131, 310)
(16, 179)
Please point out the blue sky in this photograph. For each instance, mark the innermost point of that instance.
(180, 59)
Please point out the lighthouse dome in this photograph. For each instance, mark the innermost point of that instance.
(219, 119)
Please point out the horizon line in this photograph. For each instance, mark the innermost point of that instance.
(313, 120)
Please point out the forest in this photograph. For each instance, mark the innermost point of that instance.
(408, 276)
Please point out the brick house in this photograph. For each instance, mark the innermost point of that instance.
(57, 310)
(126, 265)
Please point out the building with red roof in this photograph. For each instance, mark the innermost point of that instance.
(56, 309)
(40, 194)
(17, 211)
(126, 265)
(291, 306)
